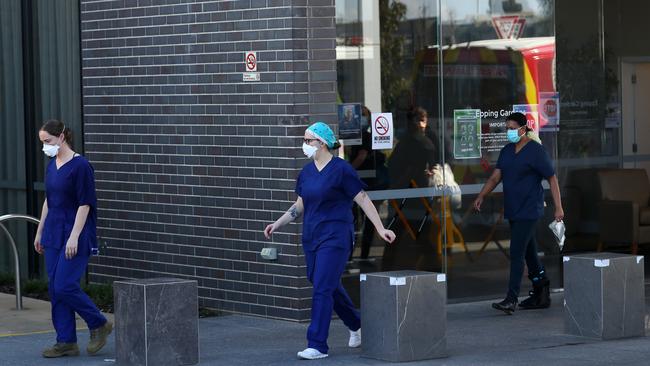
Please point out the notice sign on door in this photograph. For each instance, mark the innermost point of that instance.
(467, 133)
(382, 131)
(549, 111)
(350, 123)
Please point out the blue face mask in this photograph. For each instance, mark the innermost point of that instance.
(513, 136)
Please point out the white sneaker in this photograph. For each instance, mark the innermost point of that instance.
(311, 354)
(355, 338)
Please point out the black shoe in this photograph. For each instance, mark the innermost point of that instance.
(508, 306)
(540, 296)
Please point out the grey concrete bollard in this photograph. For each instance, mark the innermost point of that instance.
(156, 322)
(403, 315)
(604, 295)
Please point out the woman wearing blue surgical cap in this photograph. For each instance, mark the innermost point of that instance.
(326, 188)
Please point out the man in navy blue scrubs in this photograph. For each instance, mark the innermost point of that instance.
(326, 188)
(522, 165)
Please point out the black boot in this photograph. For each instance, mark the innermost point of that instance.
(508, 305)
(540, 297)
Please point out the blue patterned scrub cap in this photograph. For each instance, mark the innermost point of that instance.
(324, 133)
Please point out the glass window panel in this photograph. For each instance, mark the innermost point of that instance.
(497, 57)
(380, 45)
(581, 80)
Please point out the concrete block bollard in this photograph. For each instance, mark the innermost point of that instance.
(156, 322)
(604, 295)
(403, 315)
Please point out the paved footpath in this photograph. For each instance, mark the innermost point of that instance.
(476, 335)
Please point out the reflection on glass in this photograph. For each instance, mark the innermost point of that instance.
(497, 57)
(468, 65)
(378, 43)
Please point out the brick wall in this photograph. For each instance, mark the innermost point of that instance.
(191, 162)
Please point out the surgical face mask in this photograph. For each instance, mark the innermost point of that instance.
(513, 136)
(51, 150)
(309, 150)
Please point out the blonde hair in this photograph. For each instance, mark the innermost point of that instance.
(534, 136)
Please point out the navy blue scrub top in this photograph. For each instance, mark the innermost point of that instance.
(327, 197)
(522, 175)
(66, 189)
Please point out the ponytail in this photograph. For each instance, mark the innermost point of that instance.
(56, 128)
(533, 136)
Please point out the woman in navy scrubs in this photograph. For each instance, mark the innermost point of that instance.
(67, 237)
(522, 165)
(326, 188)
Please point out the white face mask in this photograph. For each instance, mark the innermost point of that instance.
(309, 150)
(51, 150)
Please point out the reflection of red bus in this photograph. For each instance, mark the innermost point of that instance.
(489, 73)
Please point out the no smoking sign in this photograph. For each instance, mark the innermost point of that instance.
(381, 125)
(251, 61)
(382, 131)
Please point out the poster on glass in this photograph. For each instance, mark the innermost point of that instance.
(467, 133)
(350, 123)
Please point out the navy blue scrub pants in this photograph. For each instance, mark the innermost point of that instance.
(66, 295)
(523, 246)
(325, 266)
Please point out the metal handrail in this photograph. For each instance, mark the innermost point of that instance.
(3, 218)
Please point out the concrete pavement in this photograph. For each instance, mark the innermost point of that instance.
(477, 335)
(35, 318)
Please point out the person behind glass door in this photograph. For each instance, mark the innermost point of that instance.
(363, 158)
(326, 188)
(440, 145)
(411, 161)
(414, 155)
(522, 165)
(67, 236)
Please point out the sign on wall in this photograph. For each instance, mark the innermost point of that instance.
(250, 62)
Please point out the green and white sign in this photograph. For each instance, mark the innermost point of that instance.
(467, 133)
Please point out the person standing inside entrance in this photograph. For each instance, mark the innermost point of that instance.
(326, 188)
(67, 236)
(522, 165)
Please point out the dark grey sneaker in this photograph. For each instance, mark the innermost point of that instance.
(98, 337)
(61, 349)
